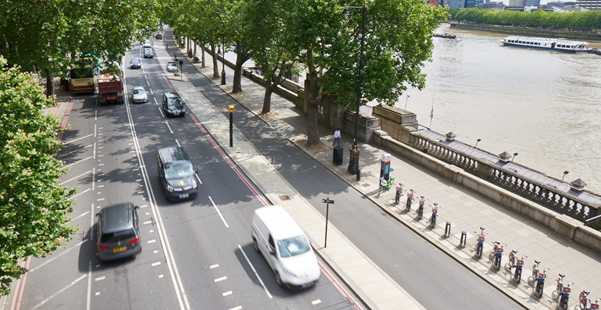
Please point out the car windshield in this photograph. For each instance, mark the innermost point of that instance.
(178, 171)
(118, 235)
(135, 61)
(140, 91)
(148, 51)
(174, 102)
(293, 246)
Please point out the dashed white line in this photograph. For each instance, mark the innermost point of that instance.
(99, 186)
(144, 206)
(236, 308)
(214, 266)
(77, 177)
(227, 293)
(65, 143)
(100, 278)
(77, 162)
(151, 92)
(97, 293)
(151, 241)
(87, 190)
(220, 279)
(199, 181)
(85, 147)
(156, 264)
(60, 291)
(54, 257)
(255, 271)
(89, 296)
(155, 100)
(95, 115)
(95, 130)
(147, 222)
(73, 219)
(169, 127)
(224, 222)
(177, 143)
(163, 115)
(315, 302)
(148, 83)
(160, 276)
(100, 199)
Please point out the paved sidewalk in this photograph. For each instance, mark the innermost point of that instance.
(465, 209)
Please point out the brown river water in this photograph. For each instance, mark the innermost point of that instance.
(543, 105)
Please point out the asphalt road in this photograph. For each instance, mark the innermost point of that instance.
(196, 254)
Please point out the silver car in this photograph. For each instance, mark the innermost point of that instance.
(171, 66)
(139, 94)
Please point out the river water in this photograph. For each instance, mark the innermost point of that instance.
(545, 106)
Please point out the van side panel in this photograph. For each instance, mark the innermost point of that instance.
(261, 234)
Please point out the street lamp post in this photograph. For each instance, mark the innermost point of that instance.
(353, 165)
(223, 61)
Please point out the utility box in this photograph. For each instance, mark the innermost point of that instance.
(338, 153)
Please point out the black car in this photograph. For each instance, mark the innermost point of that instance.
(159, 36)
(135, 64)
(118, 232)
(176, 173)
(173, 104)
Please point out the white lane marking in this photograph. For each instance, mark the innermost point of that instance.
(85, 147)
(94, 178)
(94, 153)
(60, 291)
(144, 206)
(87, 190)
(155, 100)
(100, 199)
(220, 279)
(151, 231)
(77, 177)
(151, 92)
(73, 219)
(169, 127)
(163, 115)
(214, 266)
(147, 222)
(178, 286)
(95, 130)
(77, 162)
(315, 302)
(199, 181)
(89, 297)
(99, 186)
(151, 241)
(177, 143)
(54, 257)
(160, 276)
(145, 76)
(148, 83)
(138, 180)
(228, 293)
(255, 271)
(156, 264)
(100, 278)
(95, 115)
(65, 143)
(236, 308)
(100, 166)
(156, 251)
(97, 293)
(224, 222)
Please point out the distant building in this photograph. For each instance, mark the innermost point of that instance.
(454, 4)
(516, 3)
(433, 2)
(589, 4)
(556, 4)
(499, 6)
(532, 3)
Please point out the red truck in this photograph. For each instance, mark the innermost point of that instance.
(110, 88)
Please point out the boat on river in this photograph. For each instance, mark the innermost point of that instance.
(559, 45)
(445, 35)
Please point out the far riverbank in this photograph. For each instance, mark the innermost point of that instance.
(528, 31)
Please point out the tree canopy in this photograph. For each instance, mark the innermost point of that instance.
(574, 20)
(33, 204)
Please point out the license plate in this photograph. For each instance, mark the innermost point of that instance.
(183, 196)
(119, 249)
(175, 113)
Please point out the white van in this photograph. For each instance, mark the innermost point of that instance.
(285, 247)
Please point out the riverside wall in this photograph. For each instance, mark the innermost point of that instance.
(398, 131)
(529, 31)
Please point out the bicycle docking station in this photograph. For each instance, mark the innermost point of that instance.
(463, 239)
(447, 230)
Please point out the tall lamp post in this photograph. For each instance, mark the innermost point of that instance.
(353, 165)
(223, 61)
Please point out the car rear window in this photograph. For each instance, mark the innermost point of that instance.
(118, 235)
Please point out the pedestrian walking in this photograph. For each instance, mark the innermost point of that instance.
(336, 137)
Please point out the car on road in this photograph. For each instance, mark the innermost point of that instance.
(118, 231)
(139, 94)
(135, 64)
(177, 174)
(159, 36)
(285, 246)
(147, 43)
(148, 53)
(172, 66)
(173, 104)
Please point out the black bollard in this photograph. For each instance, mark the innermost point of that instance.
(447, 229)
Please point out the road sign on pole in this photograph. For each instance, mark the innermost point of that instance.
(327, 201)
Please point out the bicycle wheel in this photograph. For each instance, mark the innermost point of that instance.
(479, 250)
(433, 221)
(518, 276)
(497, 262)
(539, 289)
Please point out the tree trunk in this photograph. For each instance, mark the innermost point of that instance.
(49, 84)
(314, 100)
(202, 52)
(215, 64)
(195, 48)
(267, 100)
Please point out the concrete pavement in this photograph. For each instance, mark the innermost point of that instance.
(464, 209)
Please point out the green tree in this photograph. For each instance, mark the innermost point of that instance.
(33, 204)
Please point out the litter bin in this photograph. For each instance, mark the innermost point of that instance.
(338, 153)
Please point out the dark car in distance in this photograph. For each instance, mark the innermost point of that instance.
(159, 36)
(118, 232)
(177, 174)
(135, 64)
(148, 53)
(173, 104)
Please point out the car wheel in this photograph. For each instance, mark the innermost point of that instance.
(278, 279)
(256, 245)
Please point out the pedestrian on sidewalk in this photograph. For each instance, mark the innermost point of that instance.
(336, 137)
